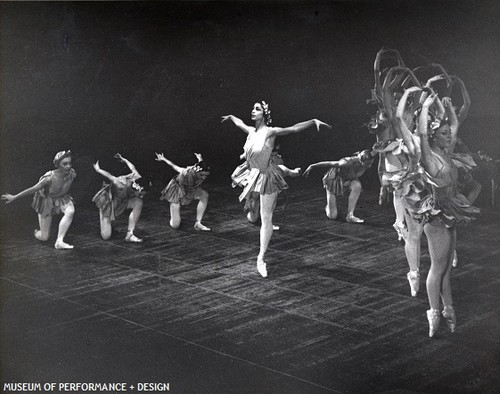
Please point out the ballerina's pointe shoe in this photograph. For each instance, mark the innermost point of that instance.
(433, 318)
(414, 281)
(455, 259)
(132, 238)
(261, 267)
(353, 219)
(62, 245)
(200, 227)
(450, 317)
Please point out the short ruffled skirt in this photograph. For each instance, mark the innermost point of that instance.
(412, 187)
(109, 206)
(47, 206)
(451, 210)
(393, 179)
(240, 173)
(268, 181)
(333, 182)
(176, 193)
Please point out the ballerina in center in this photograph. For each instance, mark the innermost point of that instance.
(262, 180)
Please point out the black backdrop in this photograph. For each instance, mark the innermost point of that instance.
(140, 77)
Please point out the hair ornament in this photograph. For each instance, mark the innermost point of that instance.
(435, 124)
(201, 166)
(61, 155)
(267, 112)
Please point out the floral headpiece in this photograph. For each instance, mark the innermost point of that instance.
(141, 185)
(267, 113)
(201, 166)
(435, 124)
(137, 187)
(61, 155)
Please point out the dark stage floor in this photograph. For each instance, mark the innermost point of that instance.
(190, 309)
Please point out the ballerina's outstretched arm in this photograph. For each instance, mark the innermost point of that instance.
(238, 123)
(104, 173)
(161, 157)
(335, 163)
(131, 167)
(40, 185)
(277, 131)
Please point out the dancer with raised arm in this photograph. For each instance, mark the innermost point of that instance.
(344, 174)
(51, 198)
(263, 177)
(460, 154)
(124, 192)
(380, 124)
(184, 188)
(440, 211)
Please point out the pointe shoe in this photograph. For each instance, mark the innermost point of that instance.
(132, 238)
(433, 318)
(62, 245)
(200, 227)
(414, 280)
(450, 317)
(353, 219)
(261, 267)
(455, 259)
(399, 227)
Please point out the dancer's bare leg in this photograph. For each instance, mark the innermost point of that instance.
(267, 204)
(175, 215)
(68, 213)
(446, 295)
(352, 201)
(106, 227)
(275, 227)
(440, 240)
(399, 209)
(441, 246)
(44, 232)
(200, 211)
(331, 205)
(136, 205)
(413, 236)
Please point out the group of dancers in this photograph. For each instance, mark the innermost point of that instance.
(416, 126)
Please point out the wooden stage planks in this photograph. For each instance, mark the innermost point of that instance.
(189, 308)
